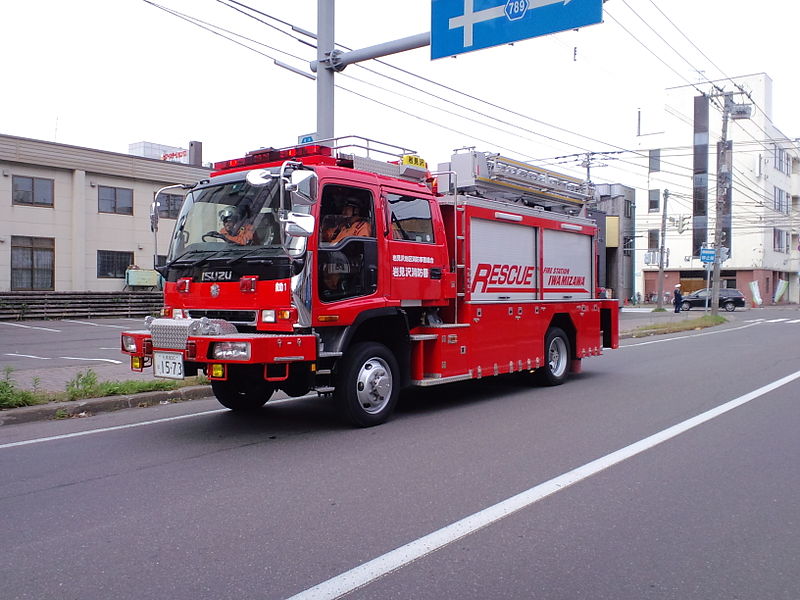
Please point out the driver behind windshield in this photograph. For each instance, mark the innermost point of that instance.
(233, 230)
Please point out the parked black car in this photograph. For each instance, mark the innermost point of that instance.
(728, 299)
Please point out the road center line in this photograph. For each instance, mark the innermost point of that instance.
(395, 559)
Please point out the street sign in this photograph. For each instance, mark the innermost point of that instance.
(707, 255)
(459, 26)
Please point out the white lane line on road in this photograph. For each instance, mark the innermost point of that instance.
(378, 567)
(776, 320)
(31, 327)
(108, 360)
(793, 321)
(94, 324)
(683, 337)
(67, 436)
(27, 356)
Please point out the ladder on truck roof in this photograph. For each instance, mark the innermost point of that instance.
(496, 177)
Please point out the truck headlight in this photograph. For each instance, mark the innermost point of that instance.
(129, 343)
(231, 351)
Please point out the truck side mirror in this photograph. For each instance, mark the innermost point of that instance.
(299, 224)
(303, 188)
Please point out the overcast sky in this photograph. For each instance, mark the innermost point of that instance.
(104, 74)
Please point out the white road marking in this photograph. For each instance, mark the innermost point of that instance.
(794, 321)
(108, 360)
(776, 320)
(94, 324)
(30, 327)
(27, 356)
(395, 559)
(67, 436)
(683, 337)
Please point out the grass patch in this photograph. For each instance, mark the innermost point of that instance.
(677, 326)
(13, 397)
(84, 385)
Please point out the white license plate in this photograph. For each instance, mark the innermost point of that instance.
(168, 364)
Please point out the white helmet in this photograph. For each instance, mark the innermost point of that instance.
(227, 213)
(336, 263)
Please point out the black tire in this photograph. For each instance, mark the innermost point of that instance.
(243, 391)
(729, 306)
(557, 356)
(685, 306)
(367, 384)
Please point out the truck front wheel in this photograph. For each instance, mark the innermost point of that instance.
(367, 384)
(242, 391)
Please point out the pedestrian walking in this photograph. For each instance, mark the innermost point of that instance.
(677, 297)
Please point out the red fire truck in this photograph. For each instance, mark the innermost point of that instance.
(321, 268)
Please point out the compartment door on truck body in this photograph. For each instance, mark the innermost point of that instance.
(417, 251)
(568, 264)
(503, 259)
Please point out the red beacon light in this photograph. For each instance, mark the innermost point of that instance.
(265, 156)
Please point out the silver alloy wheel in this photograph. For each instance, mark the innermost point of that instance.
(374, 385)
(557, 356)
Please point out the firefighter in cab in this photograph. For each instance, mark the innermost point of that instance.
(350, 223)
(233, 230)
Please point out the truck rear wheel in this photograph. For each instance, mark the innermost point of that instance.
(242, 394)
(556, 358)
(367, 384)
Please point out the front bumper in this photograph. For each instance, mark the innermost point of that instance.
(195, 339)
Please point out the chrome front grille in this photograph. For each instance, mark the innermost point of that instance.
(170, 333)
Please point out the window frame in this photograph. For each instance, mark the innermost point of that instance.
(34, 243)
(116, 202)
(415, 201)
(128, 258)
(50, 183)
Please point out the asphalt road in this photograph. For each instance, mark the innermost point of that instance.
(625, 491)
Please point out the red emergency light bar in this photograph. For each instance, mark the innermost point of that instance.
(270, 155)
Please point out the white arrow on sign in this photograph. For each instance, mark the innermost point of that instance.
(471, 18)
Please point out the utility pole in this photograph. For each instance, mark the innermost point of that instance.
(723, 181)
(662, 251)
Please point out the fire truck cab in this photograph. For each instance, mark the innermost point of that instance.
(317, 268)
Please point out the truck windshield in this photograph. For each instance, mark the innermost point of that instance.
(228, 215)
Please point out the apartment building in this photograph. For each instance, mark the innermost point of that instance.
(74, 219)
(760, 205)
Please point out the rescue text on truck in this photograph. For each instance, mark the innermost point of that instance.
(320, 269)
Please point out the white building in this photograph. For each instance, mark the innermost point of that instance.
(761, 235)
(74, 219)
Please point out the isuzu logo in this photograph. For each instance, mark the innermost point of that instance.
(226, 275)
(214, 290)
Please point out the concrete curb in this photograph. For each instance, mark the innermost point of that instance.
(91, 406)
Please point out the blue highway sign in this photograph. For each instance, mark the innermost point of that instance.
(459, 26)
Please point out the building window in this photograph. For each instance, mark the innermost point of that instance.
(169, 205)
(655, 160)
(780, 200)
(114, 200)
(627, 245)
(32, 191)
(780, 240)
(629, 209)
(652, 239)
(112, 264)
(654, 200)
(32, 263)
(411, 219)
